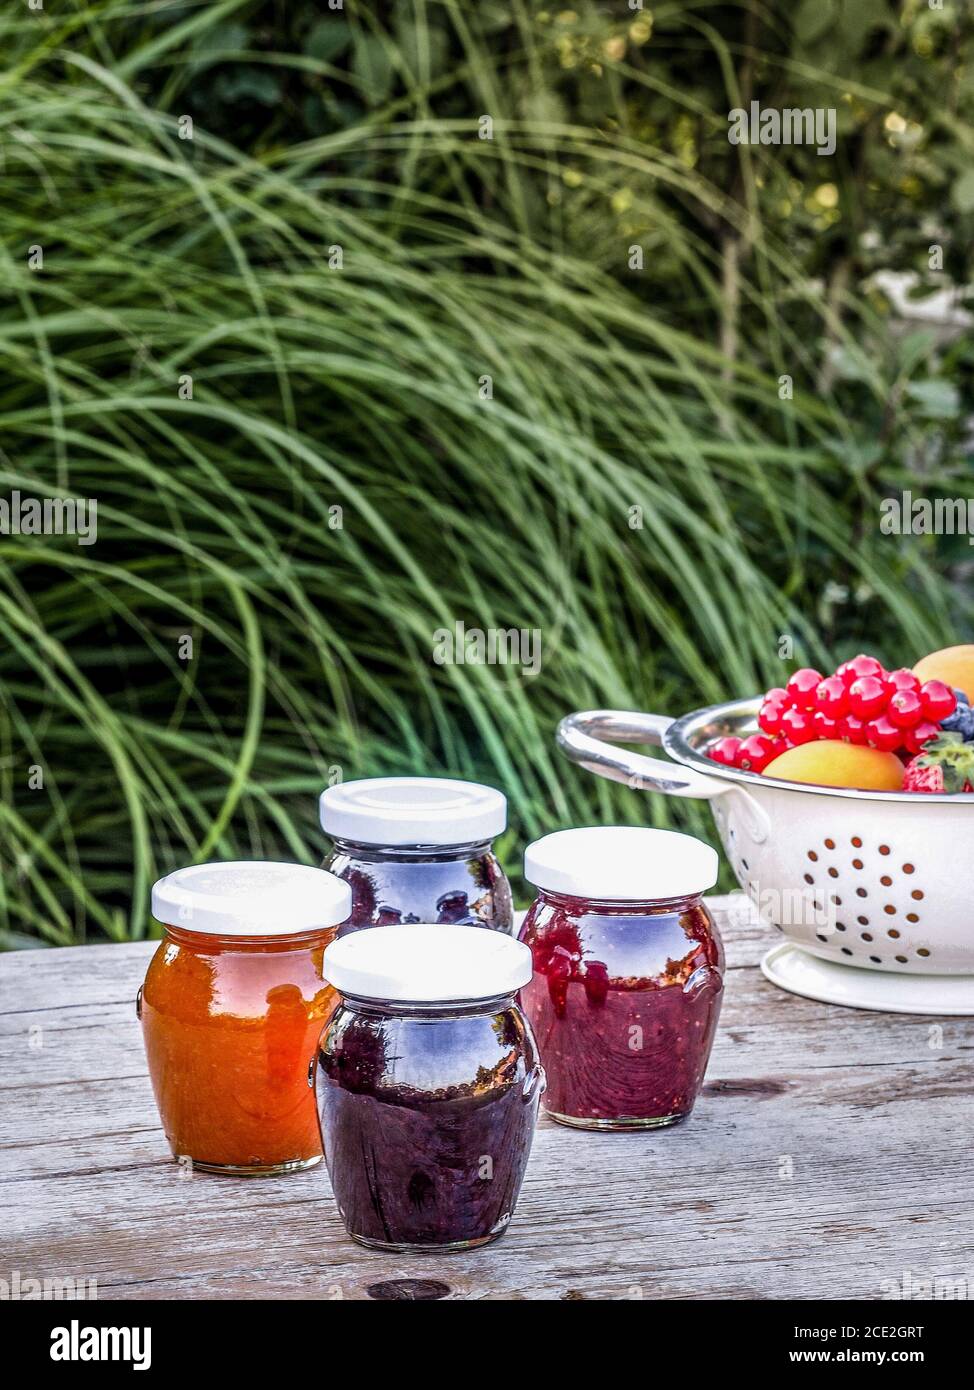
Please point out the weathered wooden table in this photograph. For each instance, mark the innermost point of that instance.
(829, 1157)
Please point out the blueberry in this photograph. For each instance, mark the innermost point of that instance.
(954, 722)
(959, 696)
(966, 726)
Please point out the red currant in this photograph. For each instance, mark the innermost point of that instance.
(824, 726)
(867, 697)
(938, 700)
(725, 751)
(774, 705)
(860, 666)
(905, 709)
(902, 679)
(798, 726)
(916, 737)
(883, 733)
(832, 697)
(802, 687)
(755, 753)
(853, 730)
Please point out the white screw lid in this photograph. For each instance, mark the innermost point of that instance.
(412, 811)
(251, 899)
(427, 964)
(621, 863)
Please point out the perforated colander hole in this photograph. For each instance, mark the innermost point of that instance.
(884, 849)
(812, 856)
(821, 937)
(922, 951)
(893, 933)
(886, 881)
(889, 909)
(846, 951)
(809, 879)
(861, 893)
(909, 869)
(913, 917)
(856, 842)
(840, 926)
(876, 960)
(917, 894)
(863, 921)
(867, 936)
(902, 960)
(857, 863)
(833, 873)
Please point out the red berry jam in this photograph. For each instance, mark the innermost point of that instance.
(626, 992)
(427, 1108)
(418, 849)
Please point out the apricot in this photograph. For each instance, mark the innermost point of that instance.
(954, 666)
(832, 763)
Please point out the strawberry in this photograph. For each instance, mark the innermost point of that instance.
(945, 765)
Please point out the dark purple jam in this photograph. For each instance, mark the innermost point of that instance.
(461, 884)
(624, 1005)
(427, 1116)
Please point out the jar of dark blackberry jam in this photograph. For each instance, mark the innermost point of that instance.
(428, 1083)
(418, 849)
(628, 973)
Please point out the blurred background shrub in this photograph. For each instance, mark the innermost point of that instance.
(265, 351)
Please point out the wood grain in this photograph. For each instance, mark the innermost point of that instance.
(829, 1152)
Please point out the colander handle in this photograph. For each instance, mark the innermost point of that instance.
(587, 738)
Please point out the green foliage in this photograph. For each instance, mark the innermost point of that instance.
(620, 396)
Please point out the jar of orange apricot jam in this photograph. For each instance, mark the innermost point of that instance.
(232, 1008)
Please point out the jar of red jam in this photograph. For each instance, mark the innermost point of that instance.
(418, 849)
(628, 973)
(428, 1084)
(232, 1008)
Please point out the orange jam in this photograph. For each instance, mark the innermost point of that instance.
(231, 1025)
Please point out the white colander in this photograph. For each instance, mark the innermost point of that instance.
(881, 881)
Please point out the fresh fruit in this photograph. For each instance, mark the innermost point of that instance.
(860, 666)
(853, 730)
(953, 665)
(945, 765)
(832, 697)
(802, 686)
(905, 709)
(797, 725)
(772, 708)
(920, 734)
(868, 697)
(756, 752)
(938, 700)
(862, 705)
(725, 751)
(883, 733)
(833, 763)
(824, 726)
(903, 680)
(961, 721)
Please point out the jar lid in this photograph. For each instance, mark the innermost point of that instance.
(420, 963)
(621, 863)
(412, 811)
(251, 899)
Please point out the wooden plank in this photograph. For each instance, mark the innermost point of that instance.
(804, 1172)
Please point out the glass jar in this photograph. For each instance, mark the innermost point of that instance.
(628, 973)
(428, 1085)
(232, 1007)
(418, 849)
